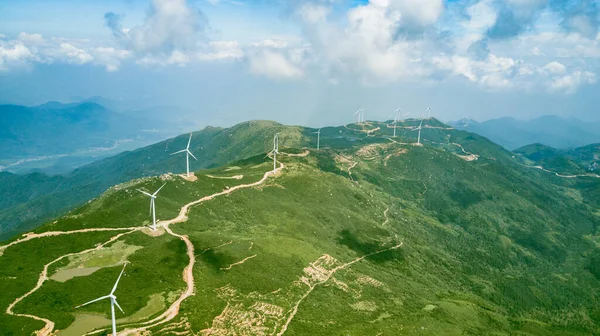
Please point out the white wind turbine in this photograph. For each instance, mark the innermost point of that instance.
(428, 110)
(187, 155)
(152, 207)
(318, 132)
(396, 120)
(360, 114)
(113, 302)
(275, 151)
(419, 129)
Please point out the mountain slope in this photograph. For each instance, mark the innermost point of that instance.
(553, 131)
(51, 196)
(580, 160)
(369, 235)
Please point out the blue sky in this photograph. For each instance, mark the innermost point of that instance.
(308, 62)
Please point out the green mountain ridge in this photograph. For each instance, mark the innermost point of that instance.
(369, 235)
(36, 198)
(581, 160)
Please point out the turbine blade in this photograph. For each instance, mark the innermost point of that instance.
(156, 192)
(119, 278)
(181, 151)
(192, 155)
(98, 299)
(117, 304)
(143, 192)
(189, 141)
(151, 202)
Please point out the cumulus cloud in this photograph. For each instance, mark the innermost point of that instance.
(276, 59)
(171, 25)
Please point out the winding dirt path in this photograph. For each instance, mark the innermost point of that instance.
(350, 173)
(386, 216)
(238, 263)
(561, 175)
(31, 235)
(188, 275)
(49, 325)
(329, 275)
(236, 177)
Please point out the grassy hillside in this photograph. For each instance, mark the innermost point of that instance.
(369, 235)
(35, 198)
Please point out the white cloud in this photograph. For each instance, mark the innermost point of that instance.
(13, 53)
(569, 83)
(171, 25)
(555, 68)
(221, 50)
(110, 57)
(74, 54)
(273, 64)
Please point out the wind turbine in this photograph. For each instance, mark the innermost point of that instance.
(187, 155)
(428, 110)
(113, 303)
(152, 208)
(360, 115)
(419, 129)
(318, 132)
(396, 120)
(276, 150)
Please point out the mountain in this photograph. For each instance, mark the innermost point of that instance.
(27, 204)
(69, 134)
(553, 131)
(369, 235)
(580, 160)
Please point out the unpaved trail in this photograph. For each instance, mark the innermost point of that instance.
(329, 275)
(238, 263)
(31, 235)
(386, 217)
(350, 173)
(303, 154)
(173, 310)
(561, 175)
(188, 275)
(236, 177)
(49, 325)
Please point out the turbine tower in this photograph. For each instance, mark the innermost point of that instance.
(428, 110)
(396, 120)
(275, 151)
(113, 303)
(187, 155)
(318, 132)
(152, 208)
(419, 129)
(359, 112)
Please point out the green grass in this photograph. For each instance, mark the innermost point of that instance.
(490, 247)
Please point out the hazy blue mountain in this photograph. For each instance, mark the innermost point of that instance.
(60, 137)
(553, 131)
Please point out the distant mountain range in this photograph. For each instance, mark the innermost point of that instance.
(75, 133)
(553, 131)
